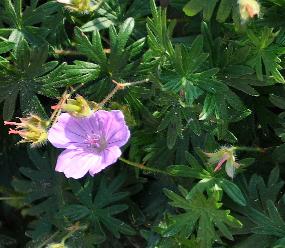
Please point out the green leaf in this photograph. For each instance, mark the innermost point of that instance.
(119, 43)
(125, 31)
(224, 10)
(103, 207)
(271, 224)
(74, 212)
(171, 135)
(209, 9)
(277, 101)
(93, 50)
(9, 104)
(22, 55)
(23, 76)
(185, 171)
(6, 46)
(30, 104)
(208, 107)
(66, 75)
(202, 214)
(41, 191)
(97, 24)
(233, 191)
(193, 7)
(265, 53)
(12, 15)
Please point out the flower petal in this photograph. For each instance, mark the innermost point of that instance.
(221, 162)
(109, 156)
(112, 126)
(76, 163)
(68, 132)
(230, 169)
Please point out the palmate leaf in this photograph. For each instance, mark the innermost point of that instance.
(115, 12)
(99, 210)
(266, 53)
(31, 75)
(258, 192)
(42, 192)
(158, 32)
(268, 224)
(172, 125)
(208, 179)
(41, 183)
(183, 71)
(22, 79)
(231, 59)
(201, 214)
(67, 75)
(27, 24)
(265, 210)
(122, 59)
(120, 64)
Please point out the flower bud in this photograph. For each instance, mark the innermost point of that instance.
(32, 129)
(84, 6)
(77, 107)
(57, 245)
(224, 155)
(248, 9)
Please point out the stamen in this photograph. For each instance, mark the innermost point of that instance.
(12, 131)
(55, 107)
(10, 123)
(96, 142)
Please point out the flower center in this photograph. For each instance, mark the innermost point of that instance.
(96, 142)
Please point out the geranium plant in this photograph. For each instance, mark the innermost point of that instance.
(130, 123)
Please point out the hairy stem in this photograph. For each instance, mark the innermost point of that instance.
(142, 167)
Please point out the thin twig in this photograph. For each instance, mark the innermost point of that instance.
(11, 198)
(143, 167)
(119, 86)
(249, 149)
(74, 52)
(135, 83)
(47, 241)
(63, 98)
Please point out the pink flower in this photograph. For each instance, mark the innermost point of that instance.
(225, 155)
(91, 143)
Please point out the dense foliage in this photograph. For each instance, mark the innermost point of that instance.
(204, 100)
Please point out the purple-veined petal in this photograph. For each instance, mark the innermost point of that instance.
(76, 163)
(109, 156)
(67, 132)
(112, 126)
(92, 143)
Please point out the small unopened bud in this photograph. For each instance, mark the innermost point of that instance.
(248, 9)
(77, 107)
(57, 245)
(224, 155)
(32, 129)
(83, 6)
